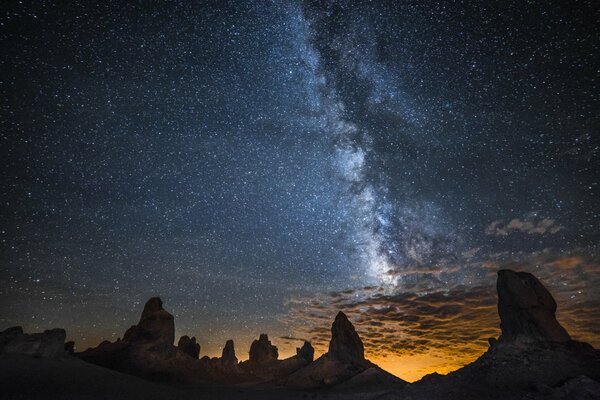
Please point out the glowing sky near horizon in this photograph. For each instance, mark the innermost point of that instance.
(262, 164)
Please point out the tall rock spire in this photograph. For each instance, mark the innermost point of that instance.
(345, 344)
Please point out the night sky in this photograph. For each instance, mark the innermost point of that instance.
(262, 164)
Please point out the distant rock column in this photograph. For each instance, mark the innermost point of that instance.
(306, 352)
(228, 358)
(345, 344)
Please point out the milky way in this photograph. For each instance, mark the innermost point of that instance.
(260, 164)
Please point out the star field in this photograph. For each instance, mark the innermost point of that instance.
(247, 160)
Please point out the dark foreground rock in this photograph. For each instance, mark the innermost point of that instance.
(533, 358)
(48, 344)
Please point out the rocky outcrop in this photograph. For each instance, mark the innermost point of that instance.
(70, 347)
(264, 364)
(146, 348)
(306, 352)
(188, 346)
(527, 309)
(48, 344)
(345, 363)
(10, 334)
(533, 358)
(228, 358)
(262, 351)
(155, 331)
(345, 344)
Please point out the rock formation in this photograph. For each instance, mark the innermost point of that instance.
(533, 358)
(146, 347)
(228, 358)
(527, 309)
(49, 344)
(188, 346)
(262, 351)
(306, 352)
(344, 363)
(345, 344)
(156, 329)
(70, 347)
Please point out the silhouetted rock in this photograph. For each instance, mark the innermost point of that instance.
(533, 358)
(527, 309)
(70, 347)
(156, 329)
(146, 349)
(306, 352)
(262, 351)
(228, 358)
(345, 344)
(264, 365)
(344, 366)
(188, 346)
(49, 344)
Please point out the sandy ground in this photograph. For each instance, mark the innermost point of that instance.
(23, 377)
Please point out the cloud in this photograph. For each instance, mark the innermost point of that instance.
(449, 322)
(529, 226)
